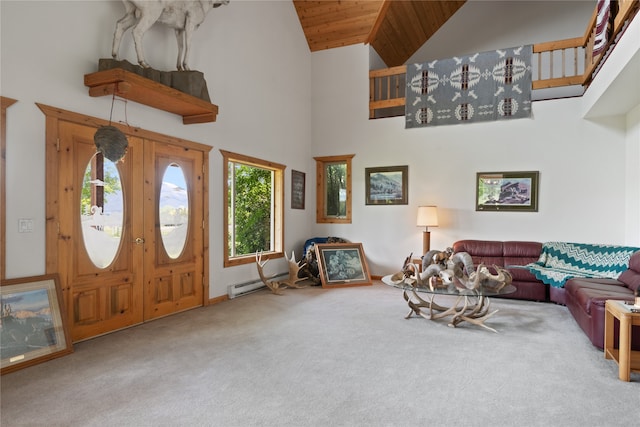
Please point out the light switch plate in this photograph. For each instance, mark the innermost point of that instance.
(25, 225)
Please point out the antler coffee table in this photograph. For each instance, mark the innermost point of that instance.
(470, 306)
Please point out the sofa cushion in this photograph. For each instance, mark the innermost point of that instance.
(522, 249)
(519, 274)
(631, 277)
(484, 248)
(520, 254)
(589, 292)
(485, 252)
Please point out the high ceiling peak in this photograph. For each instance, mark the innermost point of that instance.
(395, 28)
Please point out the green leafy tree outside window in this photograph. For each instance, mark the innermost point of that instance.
(111, 185)
(336, 184)
(251, 216)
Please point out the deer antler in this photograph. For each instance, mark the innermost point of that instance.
(273, 285)
(472, 281)
(293, 279)
(498, 281)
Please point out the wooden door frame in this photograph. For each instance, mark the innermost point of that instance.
(4, 104)
(53, 116)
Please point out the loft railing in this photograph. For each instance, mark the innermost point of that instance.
(555, 64)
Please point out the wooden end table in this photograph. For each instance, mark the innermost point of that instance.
(626, 359)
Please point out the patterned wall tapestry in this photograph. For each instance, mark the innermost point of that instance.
(485, 86)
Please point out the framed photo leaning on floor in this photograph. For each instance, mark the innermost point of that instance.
(342, 264)
(34, 327)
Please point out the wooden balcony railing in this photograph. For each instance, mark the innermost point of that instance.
(559, 63)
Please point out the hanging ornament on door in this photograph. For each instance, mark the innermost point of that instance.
(111, 141)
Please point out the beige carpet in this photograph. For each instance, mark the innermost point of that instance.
(339, 357)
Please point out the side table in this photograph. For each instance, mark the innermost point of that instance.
(626, 359)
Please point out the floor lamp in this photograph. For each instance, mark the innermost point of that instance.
(427, 217)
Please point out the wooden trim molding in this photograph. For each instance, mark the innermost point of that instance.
(4, 104)
(217, 300)
(70, 116)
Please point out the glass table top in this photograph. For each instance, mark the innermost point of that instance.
(448, 290)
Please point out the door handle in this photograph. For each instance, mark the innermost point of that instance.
(139, 241)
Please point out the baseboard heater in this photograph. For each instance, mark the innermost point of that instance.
(240, 289)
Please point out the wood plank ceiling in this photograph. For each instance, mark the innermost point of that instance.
(395, 28)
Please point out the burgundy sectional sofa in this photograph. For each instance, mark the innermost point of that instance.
(585, 298)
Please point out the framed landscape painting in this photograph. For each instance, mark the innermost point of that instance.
(507, 191)
(387, 185)
(34, 327)
(342, 264)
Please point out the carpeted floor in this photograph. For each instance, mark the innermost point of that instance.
(339, 357)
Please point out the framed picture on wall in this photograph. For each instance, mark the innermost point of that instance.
(342, 264)
(507, 191)
(387, 185)
(297, 189)
(34, 327)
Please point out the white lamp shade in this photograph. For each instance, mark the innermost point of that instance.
(427, 216)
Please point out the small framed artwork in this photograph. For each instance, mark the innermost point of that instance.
(387, 185)
(342, 264)
(507, 191)
(34, 327)
(297, 189)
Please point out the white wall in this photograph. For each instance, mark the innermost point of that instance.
(632, 180)
(257, 65)
(582, 168)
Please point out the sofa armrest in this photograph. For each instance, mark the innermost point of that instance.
(631, 277)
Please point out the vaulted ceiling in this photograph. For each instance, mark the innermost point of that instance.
(394, 28)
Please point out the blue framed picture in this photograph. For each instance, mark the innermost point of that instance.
(34, 327)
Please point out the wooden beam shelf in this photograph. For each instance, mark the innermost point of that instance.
(144, 91)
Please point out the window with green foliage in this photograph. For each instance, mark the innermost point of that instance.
(253, 208)
(100, 179)
(333, 200)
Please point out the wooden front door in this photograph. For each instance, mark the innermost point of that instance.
(173, 261)
(127, 238)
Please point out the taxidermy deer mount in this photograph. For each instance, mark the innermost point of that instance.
(183, 16)
(277, 285)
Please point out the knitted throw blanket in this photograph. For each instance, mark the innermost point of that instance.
(561, 261)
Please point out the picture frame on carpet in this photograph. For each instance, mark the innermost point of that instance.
(34, 326)
(297, 189)
(342, 264)
(387, 185)
(507, 191)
